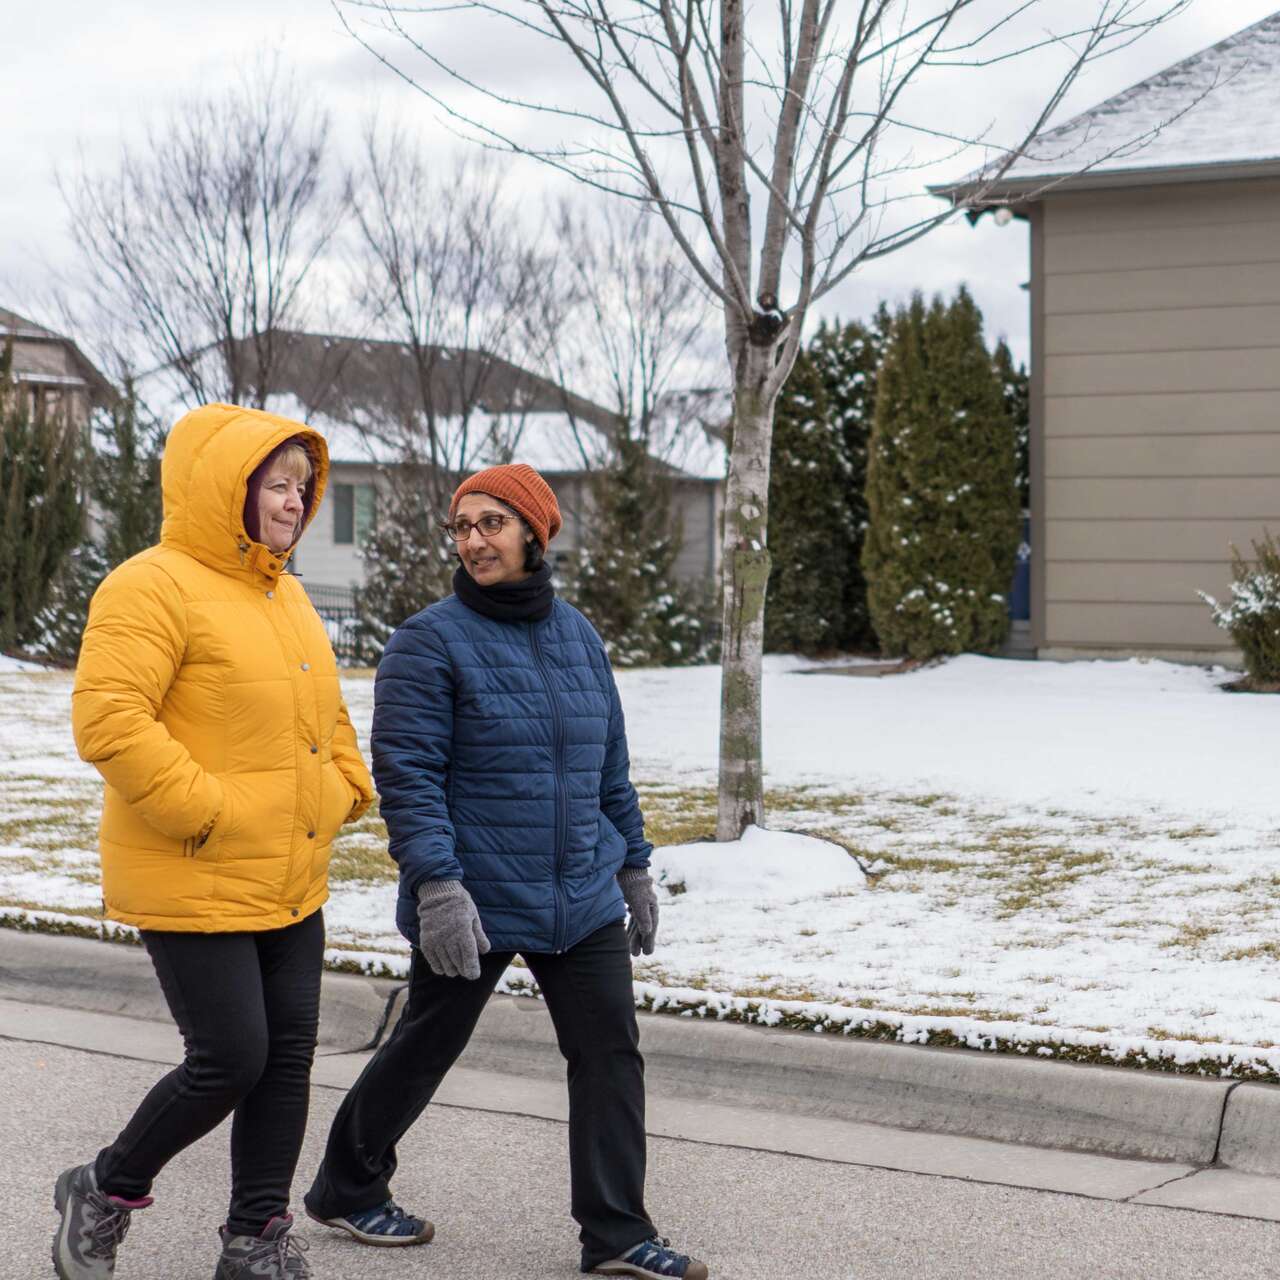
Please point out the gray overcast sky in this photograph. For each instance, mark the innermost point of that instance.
(87, 74)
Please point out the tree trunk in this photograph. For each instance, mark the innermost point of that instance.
(745, 576)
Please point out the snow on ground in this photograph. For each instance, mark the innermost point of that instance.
(1107, 738)
(1081, 854)
(764, 866)
(16, 664)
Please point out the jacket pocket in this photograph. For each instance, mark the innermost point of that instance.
(224, 826)
(337, 799)
(606, 858)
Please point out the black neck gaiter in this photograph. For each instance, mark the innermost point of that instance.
(528, 600)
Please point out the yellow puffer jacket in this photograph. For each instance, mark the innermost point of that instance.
(207, 692)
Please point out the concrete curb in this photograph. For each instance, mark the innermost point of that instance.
(1070, 1106)
(103, 977)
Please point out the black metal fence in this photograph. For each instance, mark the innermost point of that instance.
(337, 609)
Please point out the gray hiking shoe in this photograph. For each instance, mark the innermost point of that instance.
(93, 1224)
(274, 1255)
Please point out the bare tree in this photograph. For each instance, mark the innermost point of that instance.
(632, 332)
(446, 269)
(199, 243)
(769, 141)
(629, 326)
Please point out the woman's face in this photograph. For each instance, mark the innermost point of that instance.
(496, 557)
(281, 504)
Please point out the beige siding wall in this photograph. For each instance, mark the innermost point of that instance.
(1158, 335)
(320, 560)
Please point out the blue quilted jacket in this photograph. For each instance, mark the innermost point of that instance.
(500, 755)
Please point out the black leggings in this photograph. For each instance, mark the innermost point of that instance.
(247, 1005)
(589, 996)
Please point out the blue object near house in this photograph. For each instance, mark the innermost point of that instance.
(1020, 592)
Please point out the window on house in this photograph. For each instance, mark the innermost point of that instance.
(353, 507)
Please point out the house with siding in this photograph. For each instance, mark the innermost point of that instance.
(366, 397)
(1155, 350)
(51, 371)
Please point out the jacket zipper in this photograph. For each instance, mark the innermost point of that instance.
(562, 805)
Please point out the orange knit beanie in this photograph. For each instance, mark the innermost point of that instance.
(523, 490)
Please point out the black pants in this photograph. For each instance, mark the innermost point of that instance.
(247, 1005)
(589, 996)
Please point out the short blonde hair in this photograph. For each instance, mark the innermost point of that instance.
(293, 459)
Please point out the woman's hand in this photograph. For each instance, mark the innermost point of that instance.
(449, 932)
(642, 902)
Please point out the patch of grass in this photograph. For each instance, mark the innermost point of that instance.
(677, 815)
(355, 858)
(51, 826)
(918, 802)
(1268, 950)
(1162, 1033)
(1041, 875)
(906, 862)
(925, 1010)
(785, 799)
(26, 904)
(1191, 935)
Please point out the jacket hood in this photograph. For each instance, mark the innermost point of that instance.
(208, 459)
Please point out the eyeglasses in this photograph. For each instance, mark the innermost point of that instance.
(489, 525)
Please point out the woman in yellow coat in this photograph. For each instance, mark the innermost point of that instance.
(207, 696)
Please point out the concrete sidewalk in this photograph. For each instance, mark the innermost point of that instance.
(487, 1164)
(1108, 1132)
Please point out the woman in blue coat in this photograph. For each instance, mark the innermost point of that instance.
(500, 755)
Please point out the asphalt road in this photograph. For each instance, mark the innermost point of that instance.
(496, 1186)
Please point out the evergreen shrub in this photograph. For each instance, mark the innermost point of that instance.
(623, 576)
(848, 357)
(1252, 618)
(812, 537)
(42, 508)
(122, 471)
(408, 559)
(941, 487)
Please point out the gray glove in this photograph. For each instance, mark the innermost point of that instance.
(449, 932)
(642, 902)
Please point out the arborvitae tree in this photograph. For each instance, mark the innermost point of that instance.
(124, 484)
(1015, 386)
(940, 487)
(848, 357)
(63, 619)
(623, 577)
(408, 560)
(126, 477)
(41, 505)
(811, 531)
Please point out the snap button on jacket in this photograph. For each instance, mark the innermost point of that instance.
(207, 692)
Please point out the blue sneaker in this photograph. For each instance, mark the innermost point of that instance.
(385, 1224)
(654, 1259)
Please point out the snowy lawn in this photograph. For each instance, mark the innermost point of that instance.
(1074, 859)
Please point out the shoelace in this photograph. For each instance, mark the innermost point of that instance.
(282, 1250)
(109, 1230)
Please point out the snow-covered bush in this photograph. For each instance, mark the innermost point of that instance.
(1252, 617)
(408, 560)
(623, 576)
